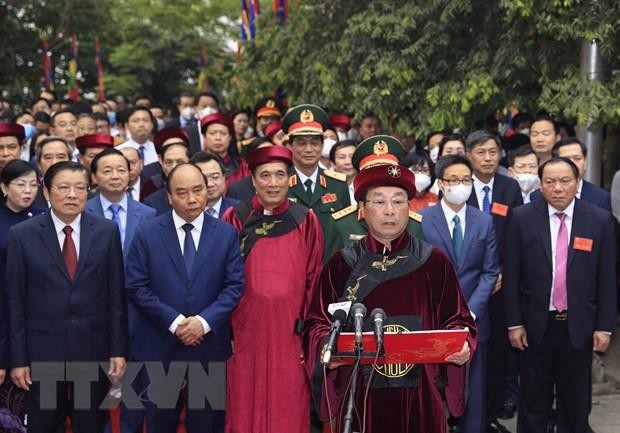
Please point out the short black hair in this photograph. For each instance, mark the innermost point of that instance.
(546, 118)
(556, 160)
(257, 142)
(567, 142)
(174, 170)
(200, 157)
(61, 166)
(185, 95)
(14, 169)
(101, 116)
(41, 99)
(141, 96)
(59, 112)
(42, 116)
(520, 152)
(450, 160)
(210, 95)
(234, 113)
(432, 134)
(164, 149)
(522, 118)
(133, 110)
(340, 145)
(450, 137)
(106, 152)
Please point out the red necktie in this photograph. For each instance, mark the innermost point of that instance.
(560, 301)
(69, 252)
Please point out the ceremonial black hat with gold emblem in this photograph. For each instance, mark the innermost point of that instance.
(377, 150)
(384, 175)
(305, 119)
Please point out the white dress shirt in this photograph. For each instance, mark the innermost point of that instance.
(107, 212)
(478, 188)
(313, 177)
(178, 225)
(75, 235)
(554, 226)
(135, 192)
(449, 214)
(579, 188)
(150, 154)
(352, 193)
(216, 207)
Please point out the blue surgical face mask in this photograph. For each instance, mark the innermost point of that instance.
(29, 130)
(112, 118)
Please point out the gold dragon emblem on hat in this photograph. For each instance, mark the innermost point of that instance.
(270, 103)
(306, 116)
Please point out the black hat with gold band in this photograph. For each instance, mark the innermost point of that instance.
(305, 119)
(268, 107)
(377, 150)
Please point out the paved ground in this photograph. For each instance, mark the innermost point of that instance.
(605, 416)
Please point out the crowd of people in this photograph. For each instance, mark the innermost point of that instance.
(129, 234)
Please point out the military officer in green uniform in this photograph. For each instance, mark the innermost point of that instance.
(349, 224)
(323, 191)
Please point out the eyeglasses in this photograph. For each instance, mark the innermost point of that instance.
(454, 181)
(21, 185)
(66, 189)
(397, 203)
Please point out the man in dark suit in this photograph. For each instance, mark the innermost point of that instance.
(110, 172)
(67, 299)
(495, 195)
(467, 237)
(184, 277)
(560, 298)
(187, 120)
(212, 167)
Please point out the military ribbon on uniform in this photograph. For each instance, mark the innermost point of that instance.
(74, 90)
(99, 63)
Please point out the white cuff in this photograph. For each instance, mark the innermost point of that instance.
(175, 323)
(205, 325)
(510, 328)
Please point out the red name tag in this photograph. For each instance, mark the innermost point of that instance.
(328, 198)
(583, 244)
(499, 209)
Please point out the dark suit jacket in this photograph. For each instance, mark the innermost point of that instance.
(4, 332)
(136, 214)
(158, 201)
(478, 269)
(193, 132)
(241, 190)
(506, 191)
(53, 318)
(589, 193)
(160, 289)
(226, 203)
(590, 278)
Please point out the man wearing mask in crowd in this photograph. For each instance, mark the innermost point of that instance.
(467, 236)
(495, 195)
(188, 121)
(140, 122)
(341, 123)
(432, 144)
(524, 169)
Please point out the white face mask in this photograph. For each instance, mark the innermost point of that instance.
(205, 112)
(422, 181)
(527, 181)
(457, 194)
(525, 131)
(434, 153)
(187, 113)
(328, 143)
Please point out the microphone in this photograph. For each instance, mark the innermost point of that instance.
(340, 317)
(378, 317)
(359, 312)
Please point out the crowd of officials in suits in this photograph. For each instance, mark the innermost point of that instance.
(100, 207)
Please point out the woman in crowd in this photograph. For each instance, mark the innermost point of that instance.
(420, 163)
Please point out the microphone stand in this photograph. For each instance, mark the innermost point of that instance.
(348, 418)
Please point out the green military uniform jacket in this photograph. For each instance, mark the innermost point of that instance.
(349, 225)
(330, 195)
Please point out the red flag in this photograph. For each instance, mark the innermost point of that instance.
(48, 77)
(99, 63)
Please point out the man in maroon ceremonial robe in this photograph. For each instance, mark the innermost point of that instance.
(417, 287)
(282, 245)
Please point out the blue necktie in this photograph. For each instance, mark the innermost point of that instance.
(211, 212)
(486, 202)
(457, 238)
(189, 249)
(116, 217)
(141, 151)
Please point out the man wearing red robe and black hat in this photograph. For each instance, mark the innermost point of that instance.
(91, 145)
(414, 283)
(282, 246)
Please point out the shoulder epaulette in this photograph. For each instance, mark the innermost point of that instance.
(415, 216)
(344, 212)
(335, 175)
(292, 181)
